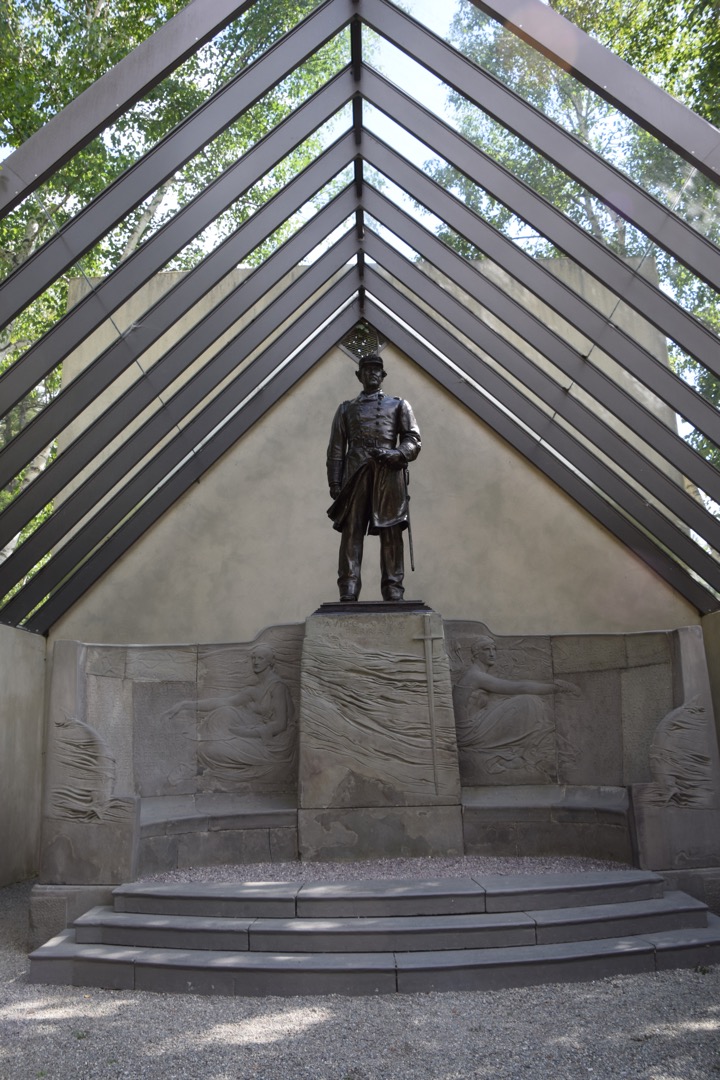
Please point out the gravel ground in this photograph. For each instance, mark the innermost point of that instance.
(642, 1027)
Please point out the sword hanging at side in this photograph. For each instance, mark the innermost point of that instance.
(409, 523)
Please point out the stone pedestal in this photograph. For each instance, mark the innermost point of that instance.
(378, 765)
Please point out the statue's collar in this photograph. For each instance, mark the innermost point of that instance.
(362, 396)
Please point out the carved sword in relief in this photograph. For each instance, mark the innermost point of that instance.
(429, 639)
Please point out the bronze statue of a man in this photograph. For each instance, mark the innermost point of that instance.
(372, 440)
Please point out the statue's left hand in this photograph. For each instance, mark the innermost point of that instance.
(392, 459)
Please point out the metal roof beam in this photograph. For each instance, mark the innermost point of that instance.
(83, 231)
(174, 411)
(90, 443)
(547, 287)
(159, 318)
(562, 404)
(157, 251)
(573, 412)
(78, 565)
(137, 73)
(662, 438)
(612, 79)
(576, 159)
(528, 444)
(599, 261)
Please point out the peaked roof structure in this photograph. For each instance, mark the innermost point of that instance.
(605, 432)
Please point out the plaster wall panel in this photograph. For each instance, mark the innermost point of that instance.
(22, 677)
(250, 544)
(132, 312)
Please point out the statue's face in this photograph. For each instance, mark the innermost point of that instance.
(260, 659)
(485, 652)
(371, 377)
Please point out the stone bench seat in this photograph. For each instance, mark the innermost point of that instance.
(178, 831)
(548, 819)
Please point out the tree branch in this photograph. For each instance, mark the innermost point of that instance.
(145, 221)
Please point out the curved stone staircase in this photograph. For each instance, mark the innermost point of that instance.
(377, 937)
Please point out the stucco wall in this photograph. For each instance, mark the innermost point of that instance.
(22, 677)
(250, 545)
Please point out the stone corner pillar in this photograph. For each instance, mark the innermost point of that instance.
(378, 763)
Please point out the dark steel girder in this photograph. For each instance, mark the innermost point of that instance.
(80, 577)
(121, 197)
(573, 411)
(161, 316)
(547, 287)
(527, 444)
(158, 319)
(551, 223)
(122, 460)
(80, 121)
(553, 395)
(612, 79)
(549, 138)
(188, 223)
(592, 379)
(89, 444)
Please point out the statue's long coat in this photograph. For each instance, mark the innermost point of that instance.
(369, 421)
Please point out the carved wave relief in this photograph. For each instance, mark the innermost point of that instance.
(369, 708)
(681, 768)
(84, 775)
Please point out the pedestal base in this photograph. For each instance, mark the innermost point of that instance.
(380, 832)
(378, 766)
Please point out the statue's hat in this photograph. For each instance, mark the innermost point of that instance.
(373, 358)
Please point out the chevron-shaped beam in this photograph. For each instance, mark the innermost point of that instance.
(610, 475)
(671, 122)
(540, 455)
(82, 576)
(162, 315)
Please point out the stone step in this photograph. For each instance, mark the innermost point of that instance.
(579, 961)
(64, 961)
(673, 911)
(381, 934)
(352, 899)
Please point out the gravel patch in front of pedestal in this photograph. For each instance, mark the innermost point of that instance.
(472, 866)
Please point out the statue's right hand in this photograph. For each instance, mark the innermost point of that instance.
(334, 491)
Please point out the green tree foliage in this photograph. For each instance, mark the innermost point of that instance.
(53, 50)
(572, 105)
(679, 47)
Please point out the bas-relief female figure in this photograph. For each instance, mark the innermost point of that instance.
(248, 737)
(504, 724)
